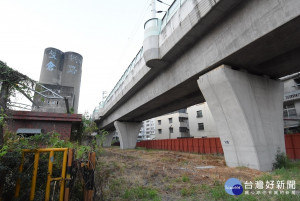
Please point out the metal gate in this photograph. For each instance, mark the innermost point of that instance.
(61, 179)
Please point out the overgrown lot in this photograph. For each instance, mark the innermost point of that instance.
(164, 175)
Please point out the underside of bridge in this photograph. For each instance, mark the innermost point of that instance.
(267, 47)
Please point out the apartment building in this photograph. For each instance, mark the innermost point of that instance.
(147, 131)
(291, 105)
(173, 125)
(201, 122)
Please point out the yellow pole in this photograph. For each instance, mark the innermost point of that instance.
(63, 175)
(18, 185)
(35, 169)
(50, 168)
(68, 174)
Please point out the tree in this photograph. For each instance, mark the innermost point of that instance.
(10, 82)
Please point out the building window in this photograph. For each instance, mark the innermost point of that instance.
(289, 110)
(183, 129)
(183, 119)
(170, 120)
(159, 131)
(171, 129)
(200, 126)
(159, 122)
(199, 113)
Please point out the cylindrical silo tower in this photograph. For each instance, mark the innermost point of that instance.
(52, 66)
(71, 74)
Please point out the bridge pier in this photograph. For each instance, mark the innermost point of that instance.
(248, 113)
(108, 139)
(128, 133)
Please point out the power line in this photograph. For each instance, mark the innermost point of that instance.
(135, 29)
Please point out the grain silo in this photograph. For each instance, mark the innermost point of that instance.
(61, 73)
(71, 74)
(52, 66)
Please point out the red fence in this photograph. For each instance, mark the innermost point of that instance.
(213, 145)
(292, 145)
(195, 145)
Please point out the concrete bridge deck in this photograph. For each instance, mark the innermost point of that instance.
(258, 39)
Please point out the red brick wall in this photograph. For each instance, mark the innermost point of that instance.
(63, 128)
(58, 122)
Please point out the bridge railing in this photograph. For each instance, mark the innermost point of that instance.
(131, 66)
(204, 7)
(154, 27)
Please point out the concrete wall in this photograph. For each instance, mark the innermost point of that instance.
(54, 105)
(207, 119)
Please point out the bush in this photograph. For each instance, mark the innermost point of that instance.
(281, 160)
(10, 159)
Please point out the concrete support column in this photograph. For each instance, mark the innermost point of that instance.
(108, 139)
(248, 113)
(128, 133)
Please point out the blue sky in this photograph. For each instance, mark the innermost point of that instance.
(108, 34)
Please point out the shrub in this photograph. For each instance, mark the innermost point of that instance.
(281, 160)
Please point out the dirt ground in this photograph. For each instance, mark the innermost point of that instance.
(173, 175)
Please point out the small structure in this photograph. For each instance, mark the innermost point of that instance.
(61, 123)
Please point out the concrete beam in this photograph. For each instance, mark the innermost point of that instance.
(248, 113)
(128, 133)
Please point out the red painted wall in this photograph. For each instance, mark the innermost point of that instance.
(292, 145)
(213, 145)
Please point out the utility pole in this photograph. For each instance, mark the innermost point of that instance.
(153, 8)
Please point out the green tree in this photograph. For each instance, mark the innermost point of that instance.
(10, 82)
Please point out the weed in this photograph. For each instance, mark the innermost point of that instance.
(141, 193)
(188, 191)
(265, 177)
(281, 161)
(177, 180)
(217, 192)
(185, 178)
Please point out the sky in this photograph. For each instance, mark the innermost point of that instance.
(108, 34)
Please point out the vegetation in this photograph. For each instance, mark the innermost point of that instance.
(281, 160)
(139, 174)
(10, 82)
(10, 158)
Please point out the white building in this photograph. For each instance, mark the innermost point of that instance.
(291, 105)
(173, 125)
(201, 122)
(147, 131)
